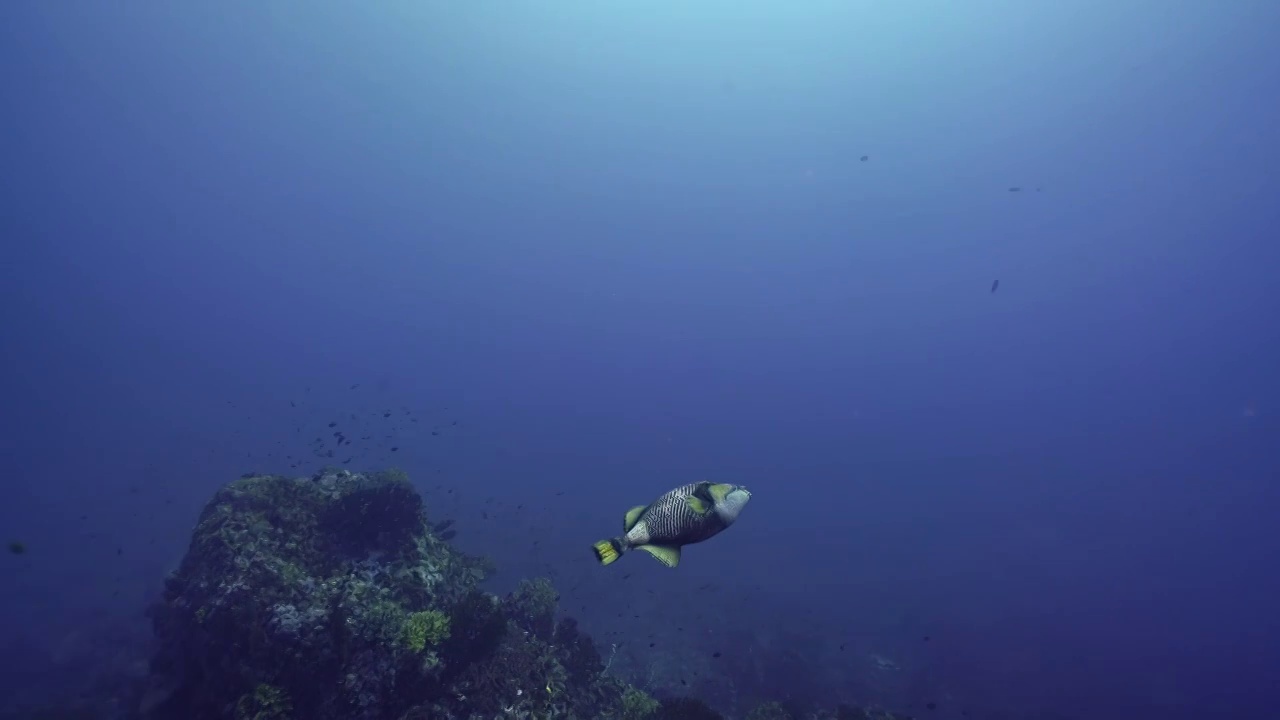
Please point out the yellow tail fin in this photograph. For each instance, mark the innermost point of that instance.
(606, 551)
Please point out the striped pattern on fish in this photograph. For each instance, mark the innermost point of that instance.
(686, 515)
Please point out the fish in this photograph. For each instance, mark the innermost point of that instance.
(995, 285)
(686, 515)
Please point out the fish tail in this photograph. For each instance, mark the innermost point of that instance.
(609, 550)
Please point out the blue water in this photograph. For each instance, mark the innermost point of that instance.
(604, 249)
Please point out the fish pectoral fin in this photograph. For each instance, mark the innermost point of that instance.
(632, 517)
(668, 555)
(697, 504)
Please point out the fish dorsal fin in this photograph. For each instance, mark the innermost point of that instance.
(632, 517)
(697, 504)
(665, 554)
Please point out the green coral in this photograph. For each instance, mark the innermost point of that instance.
(429, 627)
(266, 702)
(638, 705)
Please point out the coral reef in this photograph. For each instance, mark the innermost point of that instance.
(637, 705)
(428, 627)
(332, 597)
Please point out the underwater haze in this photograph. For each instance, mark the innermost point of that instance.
(979, 299)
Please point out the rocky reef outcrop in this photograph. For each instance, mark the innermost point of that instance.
(331, 597)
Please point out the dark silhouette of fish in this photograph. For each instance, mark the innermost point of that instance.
(995, 285)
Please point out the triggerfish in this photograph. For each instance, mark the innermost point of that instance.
(684, 516)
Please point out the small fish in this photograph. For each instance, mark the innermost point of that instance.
(995, 285)
(17, 547)
(686, 515)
